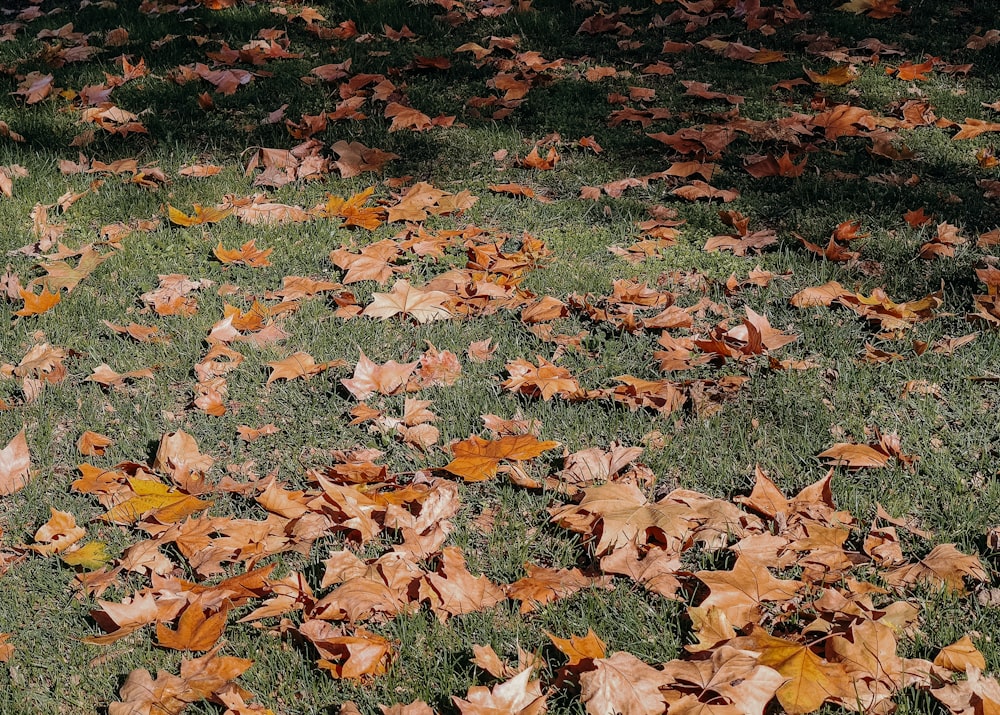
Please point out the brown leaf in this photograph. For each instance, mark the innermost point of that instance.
(960, 656)
(818, 295)
(93, 444)
(298, 364)
(57, 534)
(248, 255)
(700, 190)
(740, 593)
(371, 378)
(477, 459)
(15, 465)
(854, 456)
(622, 684)
(423, 306)
(453, 591)
(517, 696)
(945, 566)
(579, 648)
(545, 381)
(543, 585)
(811, 681)
(197, 629)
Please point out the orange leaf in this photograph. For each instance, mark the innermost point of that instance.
(579, 648)
(248, 254)
(477, 459)
(201, 215)
(37, 304)
(196, 629)
(93, 444)
(838, 76)
(534, 161)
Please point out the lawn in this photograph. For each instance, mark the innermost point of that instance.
(485, 357)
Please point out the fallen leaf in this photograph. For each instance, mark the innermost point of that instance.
(15, 465)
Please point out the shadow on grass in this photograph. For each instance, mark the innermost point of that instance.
(565, 103)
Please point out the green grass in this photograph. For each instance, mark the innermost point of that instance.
(780, 421)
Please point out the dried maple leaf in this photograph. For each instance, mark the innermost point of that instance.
(481, 350)
(743, 240)
(371, 378)
(838, 76)
(172, 296)
(844, 120)
(818, 295)
(622, 684)
(35, 87)
(976, 694)
(56, 535)
(299, 364)
(104, 375)
(355, 158)
(199, 171)
(701, 190)
(202, 215)
(91, 556)
(761, 166)
(15, 465)
(534, 161)
(248, 255)
(438, 368)
(424, 306)
(354, 214)
(422, 199)
(974, 127)
(741, 592)
(944, 567)
(417, 707)
(198, 628)
(251, 434)
(811, 680)
(960, 656)
(37, 303)
(858, 456)
(477, 459)
(579, 649)
(153, 498)
(452, 590)
(355, 657)
(139, 333)
(519, 190)
(544, 380)
(543, 585)
(375, 262)
(93, 444)
(625, 517)
(177, 455)
(518, 696)
(208, 677)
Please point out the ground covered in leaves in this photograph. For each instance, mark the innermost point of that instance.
(492, 357)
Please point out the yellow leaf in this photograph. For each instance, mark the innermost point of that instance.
(152, 498)
(91, 556)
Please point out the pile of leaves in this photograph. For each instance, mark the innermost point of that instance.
(176, 304)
